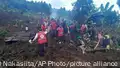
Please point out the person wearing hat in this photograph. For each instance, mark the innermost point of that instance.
(106, 42)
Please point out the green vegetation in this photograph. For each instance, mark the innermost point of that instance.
(85, 10)
(62, 12)
(3, 33)
(118, 2)
(25, 7)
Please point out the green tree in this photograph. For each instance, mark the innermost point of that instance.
(24, 6)
(62, 12)
(110, 17)
(105, 15)
(82, 9)
(118, 3)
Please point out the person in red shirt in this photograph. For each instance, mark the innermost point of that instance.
(54, 25)
(43, 27)
(83, 29)
(42, 41)
(60, 34)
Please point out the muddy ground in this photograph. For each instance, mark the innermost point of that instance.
(23, 51)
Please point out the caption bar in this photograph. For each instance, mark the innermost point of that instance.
(63, 64)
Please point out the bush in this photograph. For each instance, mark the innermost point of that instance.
(118, 29)
(3, 33)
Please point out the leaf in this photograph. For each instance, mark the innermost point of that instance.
(107, 5)
(118, 3)
(102, 7)
(110, 9)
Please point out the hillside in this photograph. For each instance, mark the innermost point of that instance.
(16, 15)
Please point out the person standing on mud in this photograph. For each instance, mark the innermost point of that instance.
(54, 27)
(83, 29)
(72, 31)
(42, 41)
(43, 27)
(60, 34)
(64, 25)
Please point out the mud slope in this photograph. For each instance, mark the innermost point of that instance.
(23, 51)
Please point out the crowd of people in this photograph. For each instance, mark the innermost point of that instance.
(62, 30)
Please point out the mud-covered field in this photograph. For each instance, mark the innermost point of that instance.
(23, 51)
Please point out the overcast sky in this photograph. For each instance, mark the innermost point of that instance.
(68, 6)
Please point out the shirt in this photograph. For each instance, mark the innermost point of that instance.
(36, 36)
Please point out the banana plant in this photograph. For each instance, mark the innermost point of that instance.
(106, 7)
(118, 3)
(106, 15)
